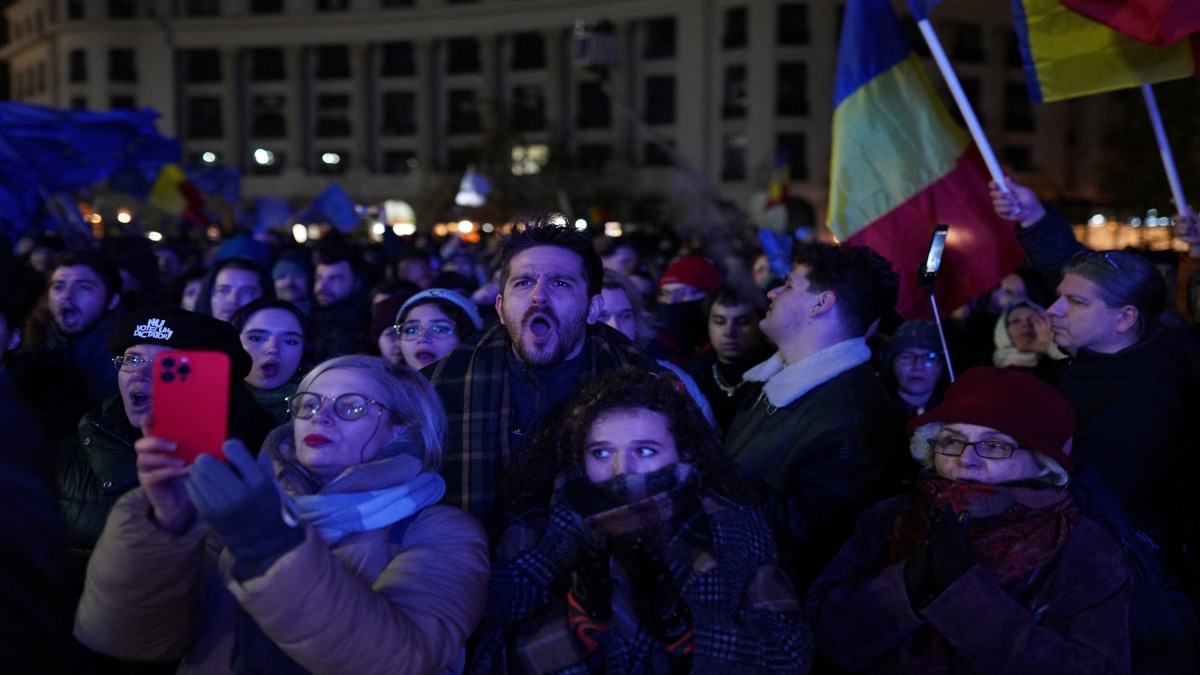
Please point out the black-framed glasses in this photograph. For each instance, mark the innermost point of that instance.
(128, 364)
(953, 447)
(927, 360)
(438, 330)
(305, 405)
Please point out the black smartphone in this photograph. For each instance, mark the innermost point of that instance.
(933, 258)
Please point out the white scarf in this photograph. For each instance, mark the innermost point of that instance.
(786, 383)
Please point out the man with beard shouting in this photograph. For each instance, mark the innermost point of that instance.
(500, 386)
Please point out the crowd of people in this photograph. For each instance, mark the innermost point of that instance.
(564, 455)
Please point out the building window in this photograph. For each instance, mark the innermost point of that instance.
(396, 4)
(458, 159)
(593, 156)
(654, 154)
(528, 108)
(204, 117)
(734, 36)
(399, 114)
(333, 5)
(595, 111)
(77, 67)
(733, 106)
(332, 162)
(333, 115)
(973, 89)
(796, 147)
(399, 161)
(201, 65)
(75, 9)
(660, 100)
(122, 9)
(792, 90)
(658, 39)
(202, 8)
(1012, 51)
(121, 66)
(528, 51)
(792, 24)
(267, 116)
(122, 103)
(267, 64)
(41, 77)
(1018, 112)
(462, 56)
(733, 158)
(1017, 158)
(968, 43)
(397, 59)
(333, 62)
(79, 102)
(266, 6)
(464, 117)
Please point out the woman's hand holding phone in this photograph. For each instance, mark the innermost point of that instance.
(161, 475)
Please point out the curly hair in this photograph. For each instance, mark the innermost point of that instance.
(864, 282)
(552, 229)
(560, 447)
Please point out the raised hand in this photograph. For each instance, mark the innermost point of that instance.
(162, 475)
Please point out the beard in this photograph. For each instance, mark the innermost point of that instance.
(541, 338)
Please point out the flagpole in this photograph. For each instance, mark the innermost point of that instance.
(964, 105)
(1164, 149)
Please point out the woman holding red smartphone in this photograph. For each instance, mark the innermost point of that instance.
(327, 554)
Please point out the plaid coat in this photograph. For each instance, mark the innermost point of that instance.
(474, 384)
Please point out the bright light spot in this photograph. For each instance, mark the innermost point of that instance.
(377, 228)
(154, 236)
(613, 229)
(123, 216)
(1098, 219)
(528, 160)
(440, 230)
(331, 158)
(1135, 221)
(580, 224)
(264, 157)
(404, 229)
(299, 233)
(208, 157)
(95, 218)
(488, 227)
(1163, 221)
(465, 226)
(314, 231)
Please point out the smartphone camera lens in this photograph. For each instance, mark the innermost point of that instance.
(168, 376)
(168, 362)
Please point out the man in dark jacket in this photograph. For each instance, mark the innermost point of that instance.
(818, 430)
(340, 316)
(500, 386)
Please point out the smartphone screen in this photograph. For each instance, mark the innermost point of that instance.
(190, 401)
(933, 259)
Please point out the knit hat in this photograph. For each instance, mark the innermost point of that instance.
(916, 334)
(463, 302)
(1012, 402)
(693, 271)
(284, 265)
(180, 329)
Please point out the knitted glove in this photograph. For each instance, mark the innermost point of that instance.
(560, 548)
(951, 543)
(656, 595)
(241, 503)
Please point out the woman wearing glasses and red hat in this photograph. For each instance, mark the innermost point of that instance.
(327, 555)
(988, 566)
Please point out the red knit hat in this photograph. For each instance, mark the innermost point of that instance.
(693, 271)
(1015, 403)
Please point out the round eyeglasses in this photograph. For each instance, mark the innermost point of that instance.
(439, 330)
(128, 364)
(927, 360)
(953, 447)
(350, 407)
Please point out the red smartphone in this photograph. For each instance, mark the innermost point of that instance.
(190, 401)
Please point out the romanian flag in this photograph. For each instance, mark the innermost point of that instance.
(1155, 22)
(901, 165)
(1067, 54)
(781, 177)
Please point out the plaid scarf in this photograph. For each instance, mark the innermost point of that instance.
(474, 385)
(1015, 530)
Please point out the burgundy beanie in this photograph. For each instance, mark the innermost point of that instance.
(180, 329)
(1015, 403)
(693, 271)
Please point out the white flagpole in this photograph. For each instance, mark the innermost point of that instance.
(1164, 149)
(964, 106)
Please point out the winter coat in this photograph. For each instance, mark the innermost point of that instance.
(372, 603)
(822, 458)
(860, 609)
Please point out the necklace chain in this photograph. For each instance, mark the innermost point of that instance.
(725, 386)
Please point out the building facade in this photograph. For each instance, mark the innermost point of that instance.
(598, 100)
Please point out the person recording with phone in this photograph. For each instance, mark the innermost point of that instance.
(329, 554)
(98, 464)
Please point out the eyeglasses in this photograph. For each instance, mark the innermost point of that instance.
(953, 447)
(412, 330)
(128, 364)
(928, 360)
(350, 407)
